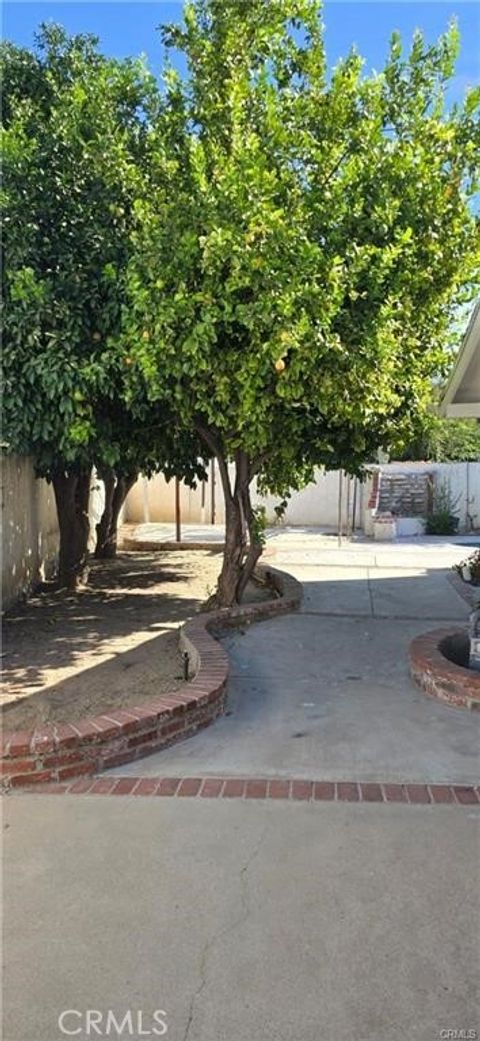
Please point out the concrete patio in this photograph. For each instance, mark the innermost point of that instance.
(241, 920)
(260, 918)
(326, 692)
(309, 539)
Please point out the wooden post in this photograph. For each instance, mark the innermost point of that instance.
(212, 480)
(202, 505)
(178, 530)
(146, 506)
(347, 509)
(340, 492)
(354, 510)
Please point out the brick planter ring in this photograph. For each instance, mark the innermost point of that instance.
(58, 752)
(438, 675)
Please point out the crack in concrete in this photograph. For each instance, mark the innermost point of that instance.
(381, 617)
(209, 945)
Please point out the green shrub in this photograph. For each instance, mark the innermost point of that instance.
(442, 520)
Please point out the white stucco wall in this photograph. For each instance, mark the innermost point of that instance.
(463, 480)
(153, 501)
(29, 528)
(316, 505)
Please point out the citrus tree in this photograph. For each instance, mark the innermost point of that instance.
(72, 142)
(75, 146)
(152, 443)
(298, 257)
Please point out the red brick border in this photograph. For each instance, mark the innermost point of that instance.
(440, 678)
(264, 788)
(375, 490)
(60, 752)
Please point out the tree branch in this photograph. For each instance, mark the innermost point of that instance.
(215, 446)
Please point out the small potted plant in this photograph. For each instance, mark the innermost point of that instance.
(469, 569)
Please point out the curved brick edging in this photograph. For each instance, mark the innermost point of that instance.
(440, 678)
(58, 752)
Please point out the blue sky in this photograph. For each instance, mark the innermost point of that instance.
(126, 27)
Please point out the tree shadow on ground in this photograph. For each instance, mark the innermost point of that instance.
(127, 602)
(129, 677)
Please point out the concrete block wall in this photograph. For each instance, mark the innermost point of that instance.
(153, 501)
(29, 528)
(316, 505)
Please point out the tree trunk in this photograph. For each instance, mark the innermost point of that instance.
(243, 546)
(255, 546)
(233, 554)
(103, 527)
(117, 487)
(72, 492)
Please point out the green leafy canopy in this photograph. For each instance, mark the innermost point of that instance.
(268, 253)
(75, 148)
(304, 241)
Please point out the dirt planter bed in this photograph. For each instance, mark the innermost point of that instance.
(435, 666)
(57, 752)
